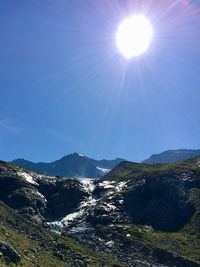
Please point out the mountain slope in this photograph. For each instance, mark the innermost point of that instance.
(74, 165)
(139, 214)
(38, 246)
(21, 230)
(172, 156)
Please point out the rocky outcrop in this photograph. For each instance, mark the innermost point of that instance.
(39, 197)
(162, 202)
(9, 253)
(67, 196)
(169, 259)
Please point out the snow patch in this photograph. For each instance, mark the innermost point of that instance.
(27, 177)
(81, 155)
(103, 170)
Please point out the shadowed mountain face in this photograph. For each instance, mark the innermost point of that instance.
(161, 201)
(159, 194)
(74, 165)
(138, 214)
(172, 156)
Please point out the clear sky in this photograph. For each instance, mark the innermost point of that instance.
(64, 86)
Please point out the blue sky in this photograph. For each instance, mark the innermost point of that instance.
(64, 86)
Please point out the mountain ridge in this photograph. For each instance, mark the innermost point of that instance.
(172, 156)
(80, 166)
(73, 165)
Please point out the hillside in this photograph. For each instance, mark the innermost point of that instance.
(34, 244)
(172, 156)
(37, 246)
(137, 215)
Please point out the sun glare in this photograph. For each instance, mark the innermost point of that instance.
(134, 36)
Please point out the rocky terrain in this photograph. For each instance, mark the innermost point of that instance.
(73, 165)
(136, 215)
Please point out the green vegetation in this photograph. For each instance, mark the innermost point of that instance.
(40, 247)
(185, 243)
(135, 171)
(180, 243)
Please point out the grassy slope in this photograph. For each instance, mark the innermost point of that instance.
(134, 171)
(185, 242)
(36, 245)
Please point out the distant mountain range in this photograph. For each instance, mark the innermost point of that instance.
(73, 165)
(173, 156)
(78, 165)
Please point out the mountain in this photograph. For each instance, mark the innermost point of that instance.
(24, 239)
(73, 165)
(136, 215)
(173, 156)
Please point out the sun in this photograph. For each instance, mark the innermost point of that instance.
(134, 36)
